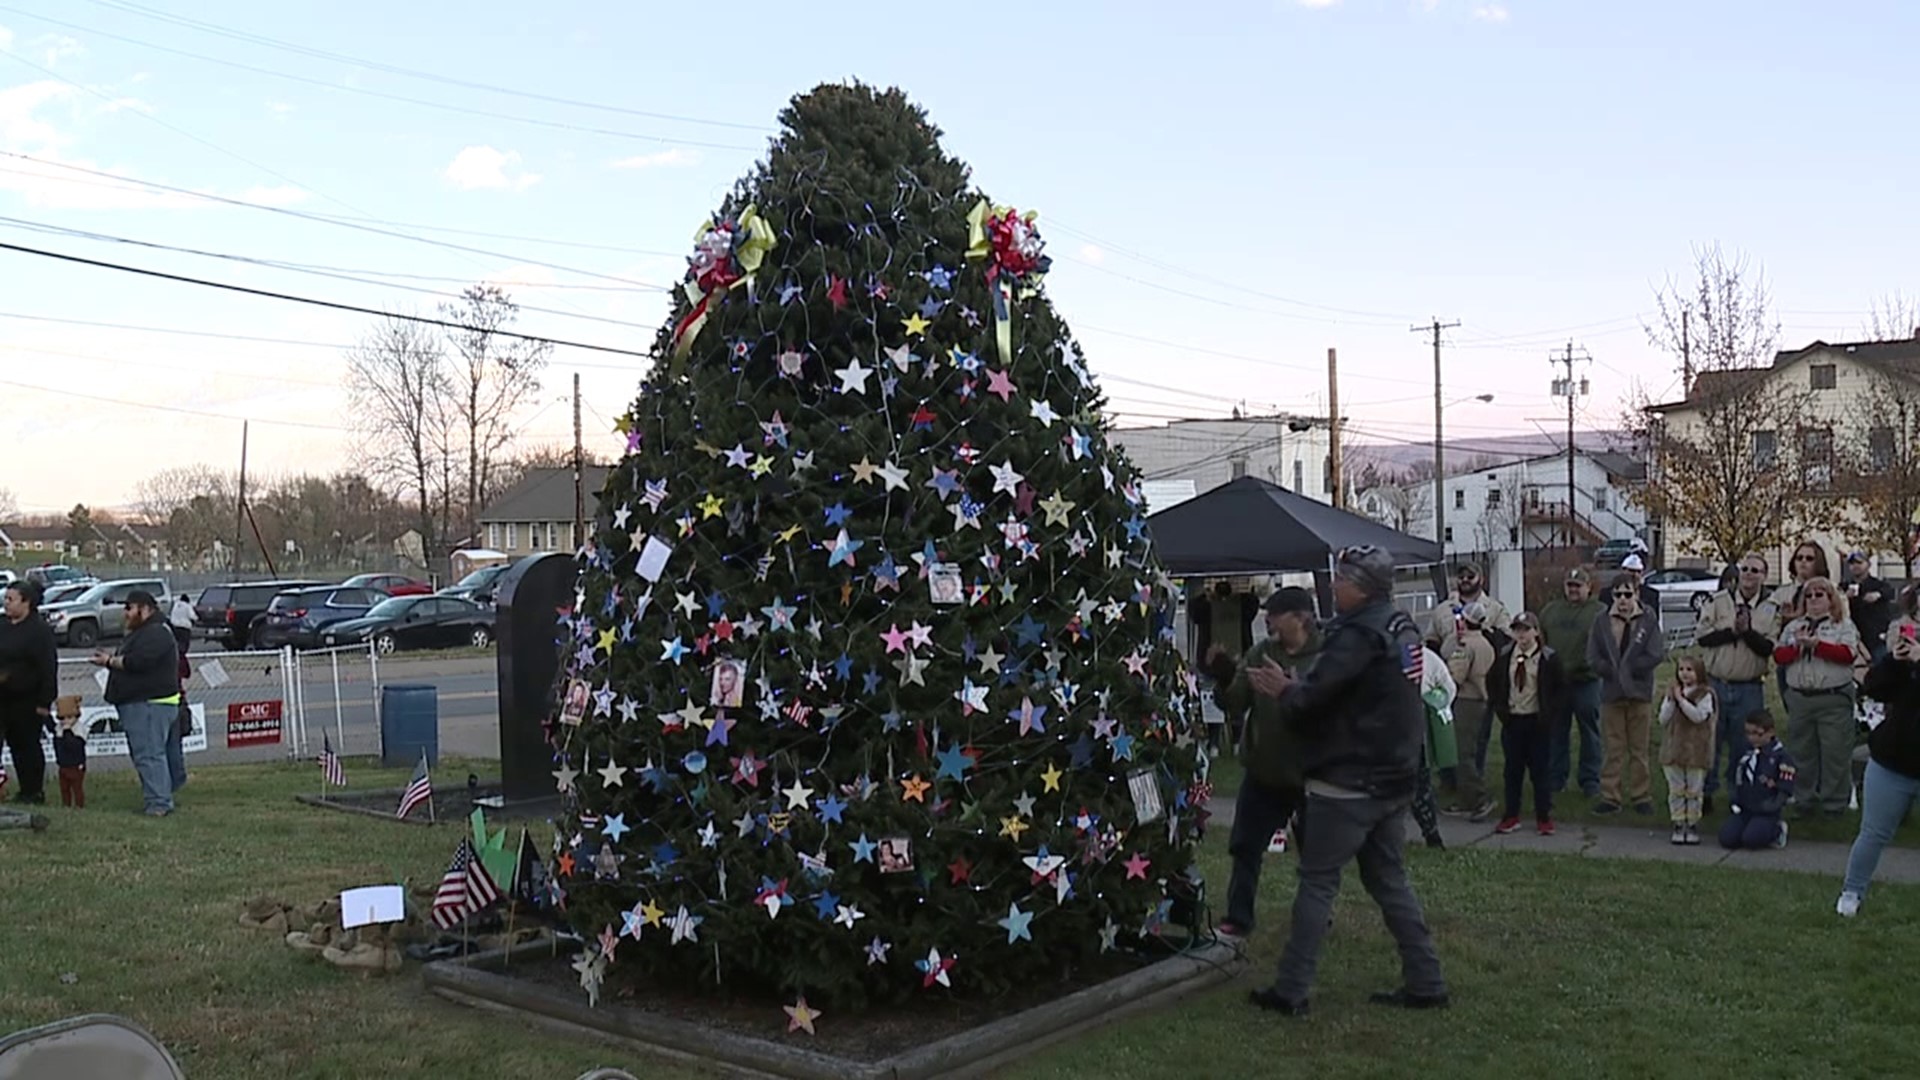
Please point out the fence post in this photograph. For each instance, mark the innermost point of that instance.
(296, 700)
(373, 687)
(339, 710)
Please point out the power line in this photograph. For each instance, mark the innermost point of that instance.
(394, 69)
(389, 96)
(315, 302)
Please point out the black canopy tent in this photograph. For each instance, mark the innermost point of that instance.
(1249, 526)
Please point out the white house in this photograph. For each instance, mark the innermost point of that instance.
(1523, 505)
(1292, 451)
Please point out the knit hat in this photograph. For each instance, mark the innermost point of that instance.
(1369, 567)
(141, 598)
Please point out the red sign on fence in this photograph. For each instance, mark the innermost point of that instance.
(253, 723)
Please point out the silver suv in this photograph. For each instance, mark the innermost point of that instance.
(98, 613)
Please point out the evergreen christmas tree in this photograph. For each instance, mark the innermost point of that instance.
(870, 690)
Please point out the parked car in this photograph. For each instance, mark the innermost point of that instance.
(417, 622)
(231, 614)
(390, 584)
(7, 577)
(1610, 555)
(298, 617)
(60, 594)
(98, 613)
(478, 586)
(1684, 587)
(49, 574)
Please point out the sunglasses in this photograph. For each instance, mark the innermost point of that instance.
(1624, 595)
(1816, 594)
(1753, 569)
(1805, 558)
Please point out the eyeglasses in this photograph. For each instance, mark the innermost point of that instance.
(1805, 558)
(1816, 594)
(1753, 569)
(1624, 595)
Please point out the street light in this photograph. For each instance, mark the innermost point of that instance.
(1440, 469)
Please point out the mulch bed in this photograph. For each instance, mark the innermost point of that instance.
(880, 1032)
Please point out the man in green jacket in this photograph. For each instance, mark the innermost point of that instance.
(1565, 622)
(1272, 790)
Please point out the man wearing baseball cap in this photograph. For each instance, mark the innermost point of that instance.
(1272, 790)
(1469, 587)
(143, 686)
(1565, 623)
(1636, 566)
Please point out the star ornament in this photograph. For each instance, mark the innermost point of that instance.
(1031, 717)
(853, 378)
(934, 968)
(1016, 924)
(841, 549)
(800, 1015)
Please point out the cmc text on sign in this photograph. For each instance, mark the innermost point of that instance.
(253, 723)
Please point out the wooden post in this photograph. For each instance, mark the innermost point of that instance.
(1336, 466)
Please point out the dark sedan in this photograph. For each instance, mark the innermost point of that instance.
(297, 617)
(417, 622)
(478, 586)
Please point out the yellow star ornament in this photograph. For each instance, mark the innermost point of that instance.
(1051, 777)
(710, 506)
(916, 326)
(605, 641)
(1013, 827)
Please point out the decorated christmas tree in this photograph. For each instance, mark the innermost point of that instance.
(870, 688)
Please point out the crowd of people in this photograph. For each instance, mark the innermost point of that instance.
(1580, 674)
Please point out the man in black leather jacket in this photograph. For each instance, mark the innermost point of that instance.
(1359, 714)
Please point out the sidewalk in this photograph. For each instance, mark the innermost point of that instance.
(1651, 843)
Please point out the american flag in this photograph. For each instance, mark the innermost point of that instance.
(419, 789)
(1413, 660)
(466, 888)
(330, 770)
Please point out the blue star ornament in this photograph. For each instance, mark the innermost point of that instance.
(954, 764)
(863, 849)
(1016, 924)
(824, 905)
(830, 809)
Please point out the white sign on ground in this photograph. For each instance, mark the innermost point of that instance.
(105, 739)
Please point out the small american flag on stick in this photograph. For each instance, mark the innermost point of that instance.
(419, 789)
(465, 889)
(331, 773)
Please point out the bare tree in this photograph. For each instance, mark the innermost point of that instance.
(1893, 317)
(492, 377)
(1736, 466)
(9, 506)
(1498, 528)
(1882, 463)
(398, 388)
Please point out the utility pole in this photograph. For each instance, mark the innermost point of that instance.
(240, 509)
(1568, 388)
(579, 494)
(1335, 468)
(1439, 439)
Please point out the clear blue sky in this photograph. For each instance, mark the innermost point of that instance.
(1248, 188)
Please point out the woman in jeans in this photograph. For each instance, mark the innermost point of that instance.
(1893, 767)
(1817, 652)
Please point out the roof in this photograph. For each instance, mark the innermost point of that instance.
(1898, 357)
(546, 495)
(1624, 466)
(24, 533)
(1249, 526)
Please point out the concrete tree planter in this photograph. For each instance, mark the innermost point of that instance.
(487, 981)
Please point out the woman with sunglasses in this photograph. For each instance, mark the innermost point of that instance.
(1817, 652)
(1625, 650)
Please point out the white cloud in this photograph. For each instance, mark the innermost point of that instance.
(279, 110)
(484, 168)
(53, 48)
(1093, 253)
(1493, 13)
(665, 159)
(6, 38)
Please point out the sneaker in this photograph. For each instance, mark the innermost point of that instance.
(1270, 1000)
(1407, 999)
(1781, 840)
(1229, 928)
(1507, 825)
(1545, 827)
(1849, 905)
(1644, 809)
(1277, 845)
(1693, 834)
(1605, 807)
(1454, 810)
(1679, 834)
(1436, 841)
(1483, 811)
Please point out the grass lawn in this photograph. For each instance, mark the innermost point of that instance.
(1560, 965)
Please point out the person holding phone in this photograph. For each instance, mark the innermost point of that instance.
(1893, 764)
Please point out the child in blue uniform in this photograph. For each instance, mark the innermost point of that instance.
(1763, 783)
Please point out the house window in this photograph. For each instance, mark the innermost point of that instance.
(1449, 534)
(493, 535)
(1459, 498)
(553, 537)
(1533, 498)
(1493, 499)
(1880, 449)
(1821, 376)
(1299, 475)
(513, 536)
(1816, 456)
(1513, 535)
(1600, 497)
(1766, 450)
(1239, 468)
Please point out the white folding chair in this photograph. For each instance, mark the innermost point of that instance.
(92, 1047)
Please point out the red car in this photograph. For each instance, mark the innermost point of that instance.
(391, 584)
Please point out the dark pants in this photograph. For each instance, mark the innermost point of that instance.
(1426, 809)
(73, 786)
(22, 729)
(1735, 701)
(1582, 711)
(1482, 743)
(1749, 831)
(1257, 811)
(1524, 739)
(1371, 832)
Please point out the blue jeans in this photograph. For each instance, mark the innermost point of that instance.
(1736, 702)
(149, 729)
(1583, 708)
(1884, 801)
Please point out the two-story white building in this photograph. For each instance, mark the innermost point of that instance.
(1185, 458)
(1523, 505)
